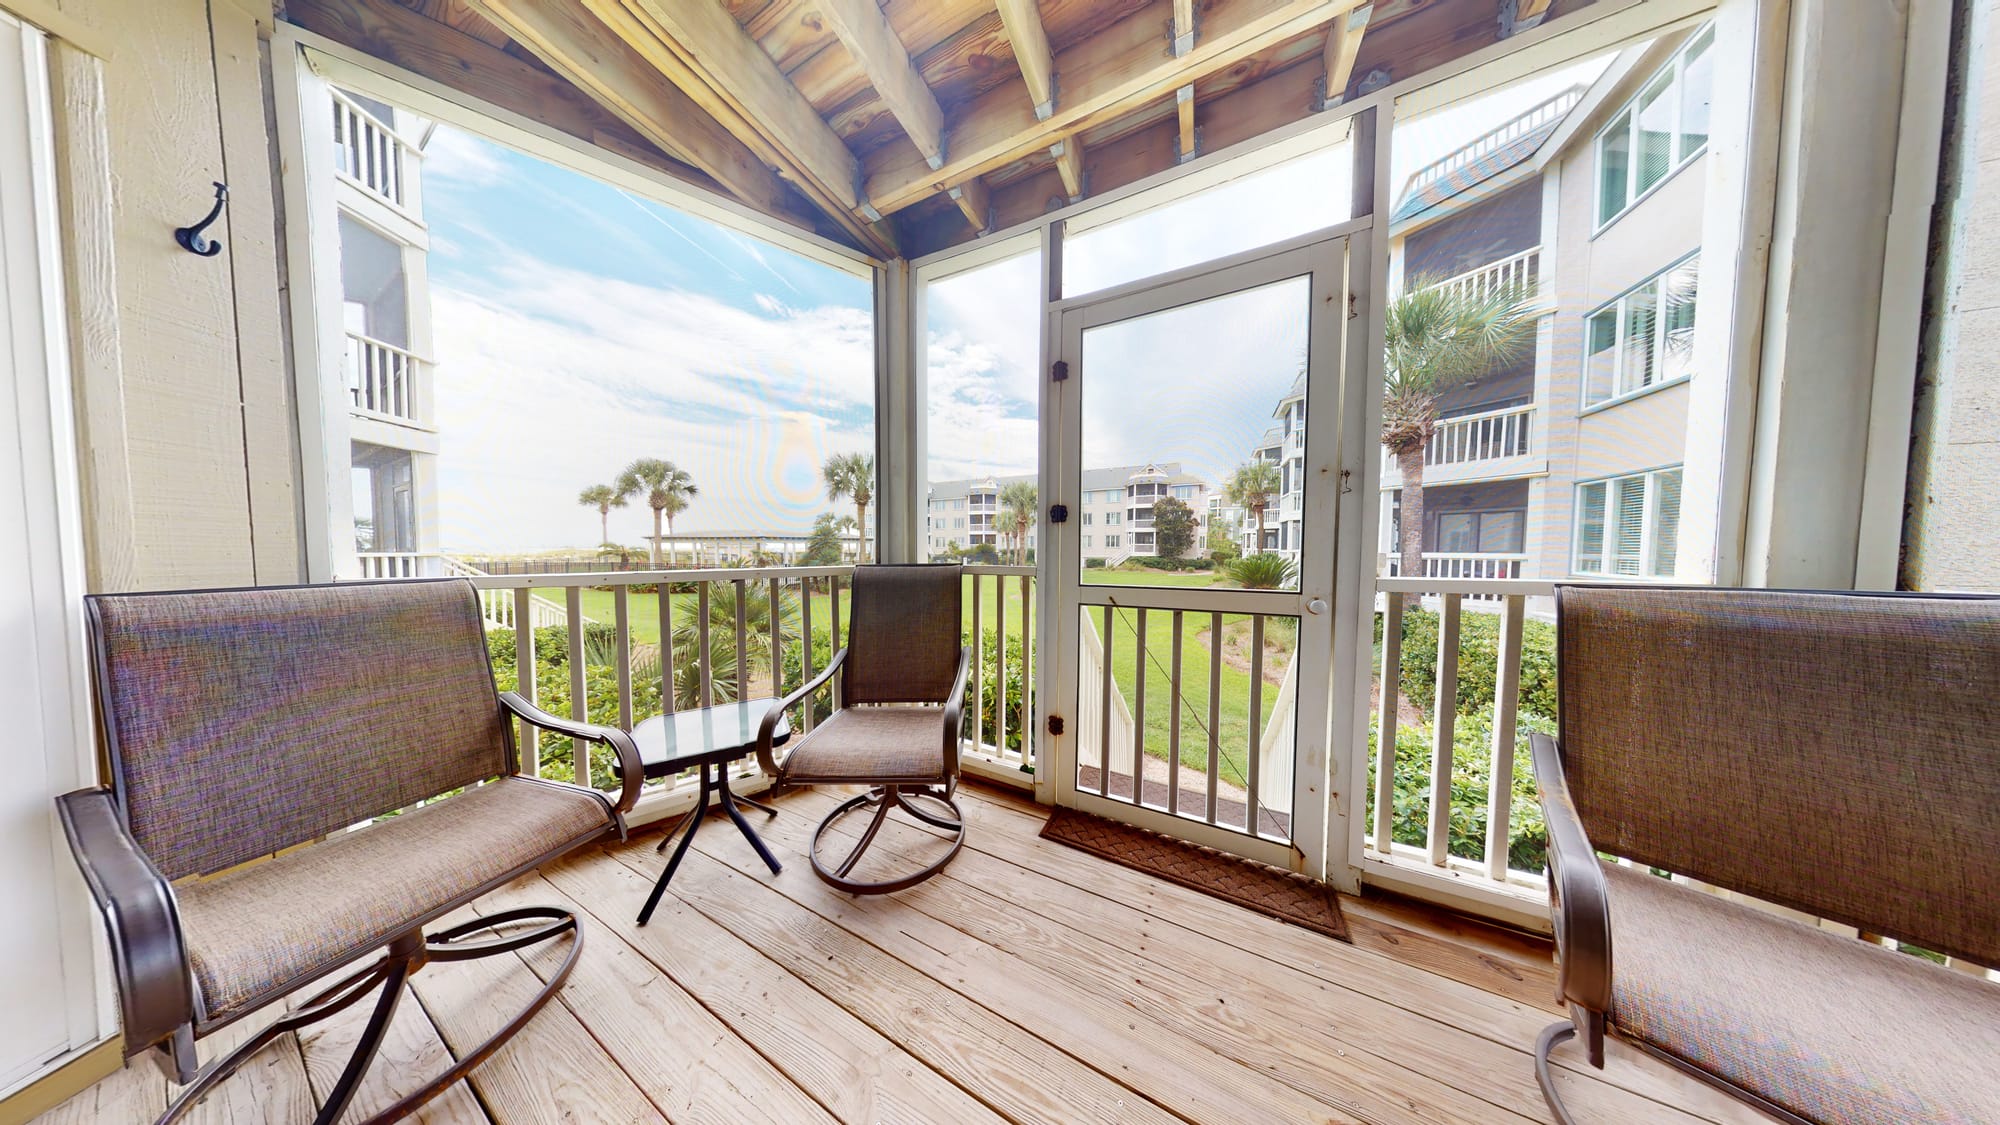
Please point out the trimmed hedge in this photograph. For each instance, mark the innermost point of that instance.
(1478, 661)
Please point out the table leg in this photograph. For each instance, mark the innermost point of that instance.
(729, 800)
(740, 799)
(694, 822)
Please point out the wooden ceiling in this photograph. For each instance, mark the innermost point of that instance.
(905, 126)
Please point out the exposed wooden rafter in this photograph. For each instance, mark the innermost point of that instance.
(580, 48)
(1068, 154)
(702, 50)
(866, 34)
(1023, 21)
(1183, 33)
(1517, 16)
(976, 203)
(1184, 110)
(1343, 46)
(1117, 69)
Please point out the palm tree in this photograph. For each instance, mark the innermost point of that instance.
(1018, 505)
(1251, 488)
(1435, 339)
(852, 475)
(603, 497)
(723, 659)
(666, 487)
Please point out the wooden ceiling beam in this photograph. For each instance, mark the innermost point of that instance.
(866, 34)
(1110, 73)
(1023, 21)
(815, 166)
(580, 48)
(975, 202)
(1183, 33)
(1343, 46)
(1184, 110)
(1068, 154)
(395, 34)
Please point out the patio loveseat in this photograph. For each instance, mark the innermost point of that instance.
(243, 849)
(1834, 754)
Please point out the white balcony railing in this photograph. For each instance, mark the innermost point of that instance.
(1486, 874)
(721, 612)
(371, 155)
(383, 379)
(1488, 143)
(1520, 273)
(397, 564)
(1487, 436)
(1465, 564)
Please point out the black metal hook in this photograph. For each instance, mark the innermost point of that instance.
(191, 238)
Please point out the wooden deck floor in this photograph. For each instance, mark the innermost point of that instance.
(1030, 983)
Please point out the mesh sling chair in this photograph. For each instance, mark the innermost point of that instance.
(1837, 754)
(243, 723)
(897, 713)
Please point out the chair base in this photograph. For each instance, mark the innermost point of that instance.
(404, 957)
(882, 799)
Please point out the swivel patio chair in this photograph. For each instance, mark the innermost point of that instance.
(895, 727)
(1837, 754)
(266, 725)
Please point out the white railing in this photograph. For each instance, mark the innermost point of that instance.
(1488, 868)
(498, 606)
(1295, 444)
(383, 379)
(723, 612)
(371, 155)
(1464, 564)
(1486, 436)
(393, 564)
(1519, 273)
(1493, 141)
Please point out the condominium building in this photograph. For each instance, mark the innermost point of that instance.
(1568, 459)
(1115, 513)
(389, 411)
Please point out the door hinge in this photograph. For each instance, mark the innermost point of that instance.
(1059, 513)
(1060, 372)
(1055, 724)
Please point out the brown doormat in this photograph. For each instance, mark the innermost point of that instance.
(1255, 886)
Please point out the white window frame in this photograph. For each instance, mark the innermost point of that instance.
(1649, 526)
(1675, 68)
(1621, 306)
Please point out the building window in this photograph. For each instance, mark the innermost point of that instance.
(1186, 491)
(1629, 526)
(1485, 533)
(1086, 542)
(1114, 517)
(1662, 129)
(959, 522)
(1087, 516)
(1111, 541)
(1644, 338)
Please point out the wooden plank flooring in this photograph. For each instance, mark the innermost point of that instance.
(1029, 983)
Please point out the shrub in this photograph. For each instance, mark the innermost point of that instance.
(1156, 562)
(1472, 739)
(1262, 571)
(1478, 661)
(1093, 564)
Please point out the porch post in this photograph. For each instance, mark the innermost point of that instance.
(899, 413)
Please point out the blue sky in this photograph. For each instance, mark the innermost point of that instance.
(578, 327)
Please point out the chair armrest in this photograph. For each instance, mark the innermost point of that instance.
(631, 771)
(768, 728)
(954, 712)
(1581, 907)
(155, 986)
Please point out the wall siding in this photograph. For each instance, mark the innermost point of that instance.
(209, 438)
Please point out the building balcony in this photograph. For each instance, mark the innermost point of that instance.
(1490, 445)
(1518, 272)
(376, 163)
(387, 383)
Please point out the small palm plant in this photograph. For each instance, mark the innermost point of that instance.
(1252, 487)
(1262, 571)
(666, 487)
(1437, 338)
(723, 659)
(1018, 504)
(852, 475)
(603, 497)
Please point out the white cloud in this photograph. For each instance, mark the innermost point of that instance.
(550, 380)
(462, 158)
